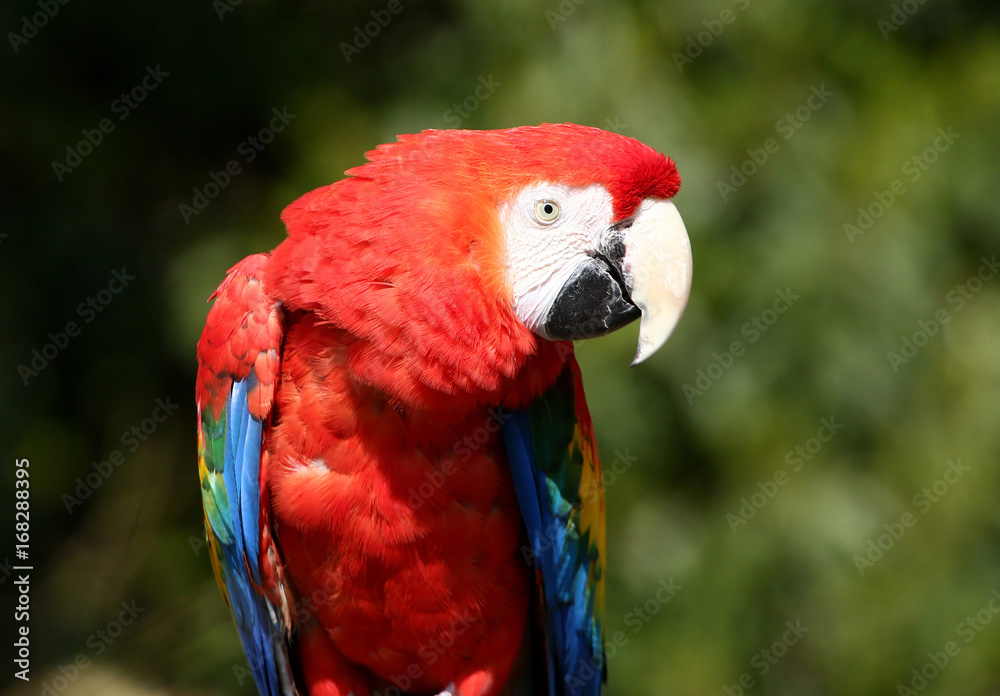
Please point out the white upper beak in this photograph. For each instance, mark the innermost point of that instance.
(658, 265)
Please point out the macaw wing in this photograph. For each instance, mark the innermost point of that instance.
(553, 458)
(237, 375)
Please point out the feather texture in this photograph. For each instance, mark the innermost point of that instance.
(233, 383)
(553, 459)
(364, 504)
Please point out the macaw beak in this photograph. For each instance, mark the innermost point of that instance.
(642, 268)
(657, 268)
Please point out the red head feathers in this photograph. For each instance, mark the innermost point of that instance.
(506, 160)
(407, 254)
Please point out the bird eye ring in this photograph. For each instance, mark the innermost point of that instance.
(546, 211)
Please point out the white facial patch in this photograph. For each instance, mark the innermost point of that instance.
(544, 252)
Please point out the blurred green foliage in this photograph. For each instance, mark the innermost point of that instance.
(710, 84)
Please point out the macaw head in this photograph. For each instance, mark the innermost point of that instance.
(591, 238)
(502, 240)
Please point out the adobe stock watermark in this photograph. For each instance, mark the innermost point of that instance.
(955, 300)
(901, 13)
(428, 654)
(753, 329)
(304, 608)
(562, 12)
(786, 126)
(878, 546)
(968, 630)
(551, 535)
(913, 169)
(615, 125)
(30, 26)
(642, 614)
(619, 466)
(369, 31)
(97, 643)
(636, 619)
(796, 458)
(247, 150)
(485, 87)
(224, 7)
(6, 570)
(697, 43)
(763, 661)
(87, 310)
(483, 436)
(122, 107)
(131, 440)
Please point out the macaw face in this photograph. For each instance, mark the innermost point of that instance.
(575, 272)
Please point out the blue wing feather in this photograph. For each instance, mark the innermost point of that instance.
(238, 369)
(518, 442)
(238, 515)
(543, 445)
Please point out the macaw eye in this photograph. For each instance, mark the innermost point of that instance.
(546, 211)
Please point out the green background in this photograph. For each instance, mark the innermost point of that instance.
(698, 461)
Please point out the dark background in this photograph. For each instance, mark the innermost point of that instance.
(692, 466)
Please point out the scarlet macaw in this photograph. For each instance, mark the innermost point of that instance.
(400, 479)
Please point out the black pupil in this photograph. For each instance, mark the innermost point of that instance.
(547, 208)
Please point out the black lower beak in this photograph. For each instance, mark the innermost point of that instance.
(594, 302)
